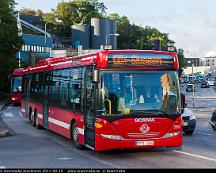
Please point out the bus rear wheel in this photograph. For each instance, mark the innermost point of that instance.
(37, 125)
(213, 120)
(74, 136)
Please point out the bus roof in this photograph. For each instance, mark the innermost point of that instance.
(98, 58)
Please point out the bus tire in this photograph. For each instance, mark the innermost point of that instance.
(37, 125)
(213, 120)
(74, 136)
(30, 115)
(33, 119)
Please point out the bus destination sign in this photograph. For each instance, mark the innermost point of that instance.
(149, 60)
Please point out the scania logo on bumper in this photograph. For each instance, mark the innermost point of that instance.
(144, 128)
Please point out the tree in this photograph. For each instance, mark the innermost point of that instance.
(10, 41)
(137, 37)
(181, 59)
(80, 11)
(74, 12)
(28, 11)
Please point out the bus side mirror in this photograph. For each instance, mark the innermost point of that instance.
(95, 76)
(108, 106)
(182, 102)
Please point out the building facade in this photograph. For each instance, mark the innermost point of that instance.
(93, 36)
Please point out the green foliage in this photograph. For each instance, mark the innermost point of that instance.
(74, 12)
(10, 41)
(136, 37)
(80, 11)
(28, 11)
(181, 59)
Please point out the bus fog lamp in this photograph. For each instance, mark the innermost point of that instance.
(113, 137)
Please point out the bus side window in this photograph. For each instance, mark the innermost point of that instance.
(77, 89)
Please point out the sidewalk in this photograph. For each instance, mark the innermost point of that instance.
(3, 127)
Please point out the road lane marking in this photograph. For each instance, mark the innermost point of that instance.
(8, 115)
(202, 133)
(194, 155)
(65, 158)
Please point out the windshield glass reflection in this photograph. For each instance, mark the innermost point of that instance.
(126, 92)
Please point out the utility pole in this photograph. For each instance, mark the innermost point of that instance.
(193, 82)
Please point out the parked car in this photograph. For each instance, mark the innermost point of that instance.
(189, 121)
(211, 81)
(204, 84)
(190, 87)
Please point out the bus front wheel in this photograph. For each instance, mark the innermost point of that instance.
(74, 136)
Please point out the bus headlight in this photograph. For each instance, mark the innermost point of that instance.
(113, 137)
(14, 98)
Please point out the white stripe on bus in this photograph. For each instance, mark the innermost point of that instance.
(59, 123)
(40, 116)
(64, 125)
(81, 131)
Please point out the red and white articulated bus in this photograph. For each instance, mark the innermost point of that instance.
(16, 86)
(112, 99)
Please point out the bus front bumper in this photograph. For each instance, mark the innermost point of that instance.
(103, 143)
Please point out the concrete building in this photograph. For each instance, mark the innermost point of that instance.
(193, 61)
(95, 35)
(81, 35)
(203, 65)
(35, 46)
(210, 61)
(102, 33)
(37, 42)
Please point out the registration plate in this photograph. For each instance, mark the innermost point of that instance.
(144, 143)
(185, 123)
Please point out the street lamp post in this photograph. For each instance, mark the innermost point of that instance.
(193, 87)
(45, 40)
(110, 35)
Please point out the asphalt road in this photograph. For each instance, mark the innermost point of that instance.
(28, 147)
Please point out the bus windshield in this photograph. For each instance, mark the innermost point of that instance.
(128, 92)
(16, 84)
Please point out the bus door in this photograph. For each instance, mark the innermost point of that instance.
(46, 99)
(89, 110)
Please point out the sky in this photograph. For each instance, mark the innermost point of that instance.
(190, 23)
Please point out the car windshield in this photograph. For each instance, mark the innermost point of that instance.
(16, 84)
(211, 79)
(128, 92)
